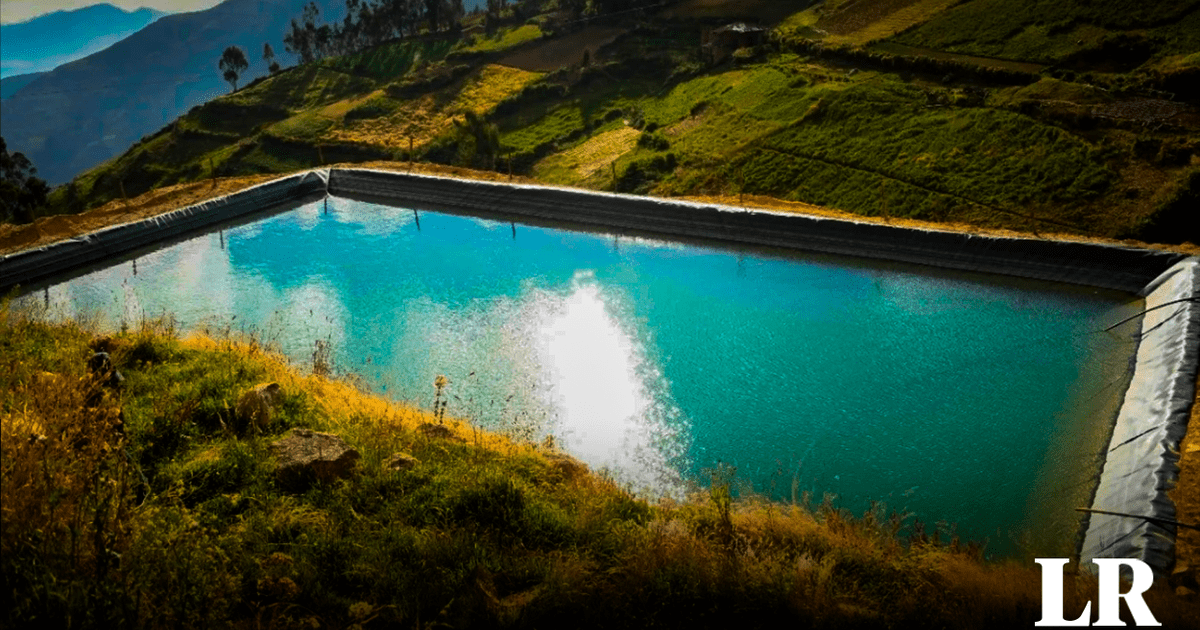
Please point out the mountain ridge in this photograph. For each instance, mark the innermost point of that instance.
(52, 39)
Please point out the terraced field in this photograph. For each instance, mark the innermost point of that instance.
(563, 51)
(591, 158)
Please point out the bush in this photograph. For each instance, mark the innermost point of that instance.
(653, 141)
(641, 174)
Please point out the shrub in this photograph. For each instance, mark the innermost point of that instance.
(653, 141)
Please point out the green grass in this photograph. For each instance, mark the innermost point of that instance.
(308, 125)
(177, 519)
(306, 87)
(378, 106)
(504, 39)
(869, 141)
(233, 116)
(866, 149)
(558, 124)
(392, 60)
(1046, 31)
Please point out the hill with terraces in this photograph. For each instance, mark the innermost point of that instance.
(1043, 121)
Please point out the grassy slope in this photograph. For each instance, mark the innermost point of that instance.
(177, 518)
(1030, 158)
(1120, 33)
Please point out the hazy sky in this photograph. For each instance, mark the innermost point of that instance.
(22, 10)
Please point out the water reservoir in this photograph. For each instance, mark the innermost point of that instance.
(980, 401)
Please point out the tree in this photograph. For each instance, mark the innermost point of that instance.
(433, 14)
(574, 8)
(453, 12)
(20, 191)
(269, 57)
(478, 141)
(301, 38)
(233, 63)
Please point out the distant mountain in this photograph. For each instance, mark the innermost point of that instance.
(10, 85)
(89, 110)
(50, 40)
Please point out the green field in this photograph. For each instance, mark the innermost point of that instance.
(1116, 34)
(839, 128)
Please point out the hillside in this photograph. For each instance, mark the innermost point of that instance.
(10, 85)
(944, 137)
(50, 40)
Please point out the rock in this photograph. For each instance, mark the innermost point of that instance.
(102, 369)
(1185, 593)
(307, 456)
(257, 407)
(440, 431)
(400, 461)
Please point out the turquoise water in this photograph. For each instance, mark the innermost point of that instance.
(976, 400)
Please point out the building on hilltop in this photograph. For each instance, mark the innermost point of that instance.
(719, 43)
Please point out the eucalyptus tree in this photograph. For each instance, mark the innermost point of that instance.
(232, 64)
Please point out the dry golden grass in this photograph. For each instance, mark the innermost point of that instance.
(1186, 495)
(346, 405)
(420, 120)
(901, 19)
(61, 488)
(865, 21)
(46, 230)
(592, 156)
(417, 120)
(493, 83)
